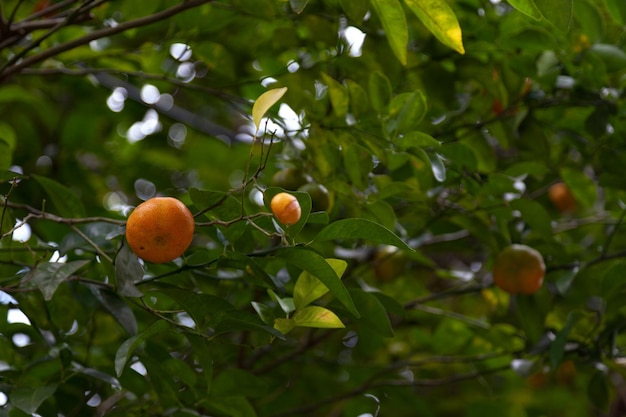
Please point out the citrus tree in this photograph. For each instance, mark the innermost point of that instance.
(334, 207)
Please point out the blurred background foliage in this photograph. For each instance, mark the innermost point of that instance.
(448, 132)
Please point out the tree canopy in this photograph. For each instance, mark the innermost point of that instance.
(420, 139)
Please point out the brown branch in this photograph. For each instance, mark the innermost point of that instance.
(39, 214)
(101, 33)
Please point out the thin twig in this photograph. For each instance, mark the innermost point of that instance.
(100, 33)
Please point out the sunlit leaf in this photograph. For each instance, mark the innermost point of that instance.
(393, 19)
(316, 316)
(360, 229)
(317, 266)
(308, 288)
(264, 102)
(284, 325)
(418, 140)
(439, 18)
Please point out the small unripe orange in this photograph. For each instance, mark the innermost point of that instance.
(286, 208)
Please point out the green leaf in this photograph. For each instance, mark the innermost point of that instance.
(535, 215)
(316, 316)
(66, 202)
(233, 406)
(317, 266)
(417, 140)
(339, 96)
(30, 399)
(406, 112)
(361, 229)
(308, 288)
(557, 348)
(128, 271)
(117, 307)
(439, 18)
(355, 9)
(617, 9)
(557, 12)
(379, 90)
(583, 187)
(527, 7)
(614, 58)
(125, 351)
(437, 166)
(298, 5)
(8, 136)
(394, 23)
(231, 382)
(264, 102)
(203, 355)
(47, 276)
(284, 325)
(373, 313)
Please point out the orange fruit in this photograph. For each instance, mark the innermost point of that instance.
(519, 269)
(286, 208)
(562, 197)
(160, 229)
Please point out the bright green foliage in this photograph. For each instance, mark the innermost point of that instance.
(439, 135)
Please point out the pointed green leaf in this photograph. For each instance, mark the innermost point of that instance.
(298, 5)
(583, 187)
(617, 9)
(264, 102)
(65, 201)
(308, 288)
(557, 348)
(437, 166)
(284, 325)
(417, 140)
(373, 313)
(361, 229)
(557, 12)
(355, 9)
(125, 351)
(439, 18)
(339, 95)
(117, 307)
(49, 275)
(379, 90)
(527, 7)
(394, 23)
(317, 266)
(128, 271)
(30, 399)
(316, 316)
(406, 112)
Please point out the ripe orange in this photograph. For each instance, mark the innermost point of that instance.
(519, 269)
(160, 229)
(286, 208)
(562, 197)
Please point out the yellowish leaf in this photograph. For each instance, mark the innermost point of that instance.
(264, 102)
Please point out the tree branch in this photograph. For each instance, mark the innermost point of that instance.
(100, 33)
